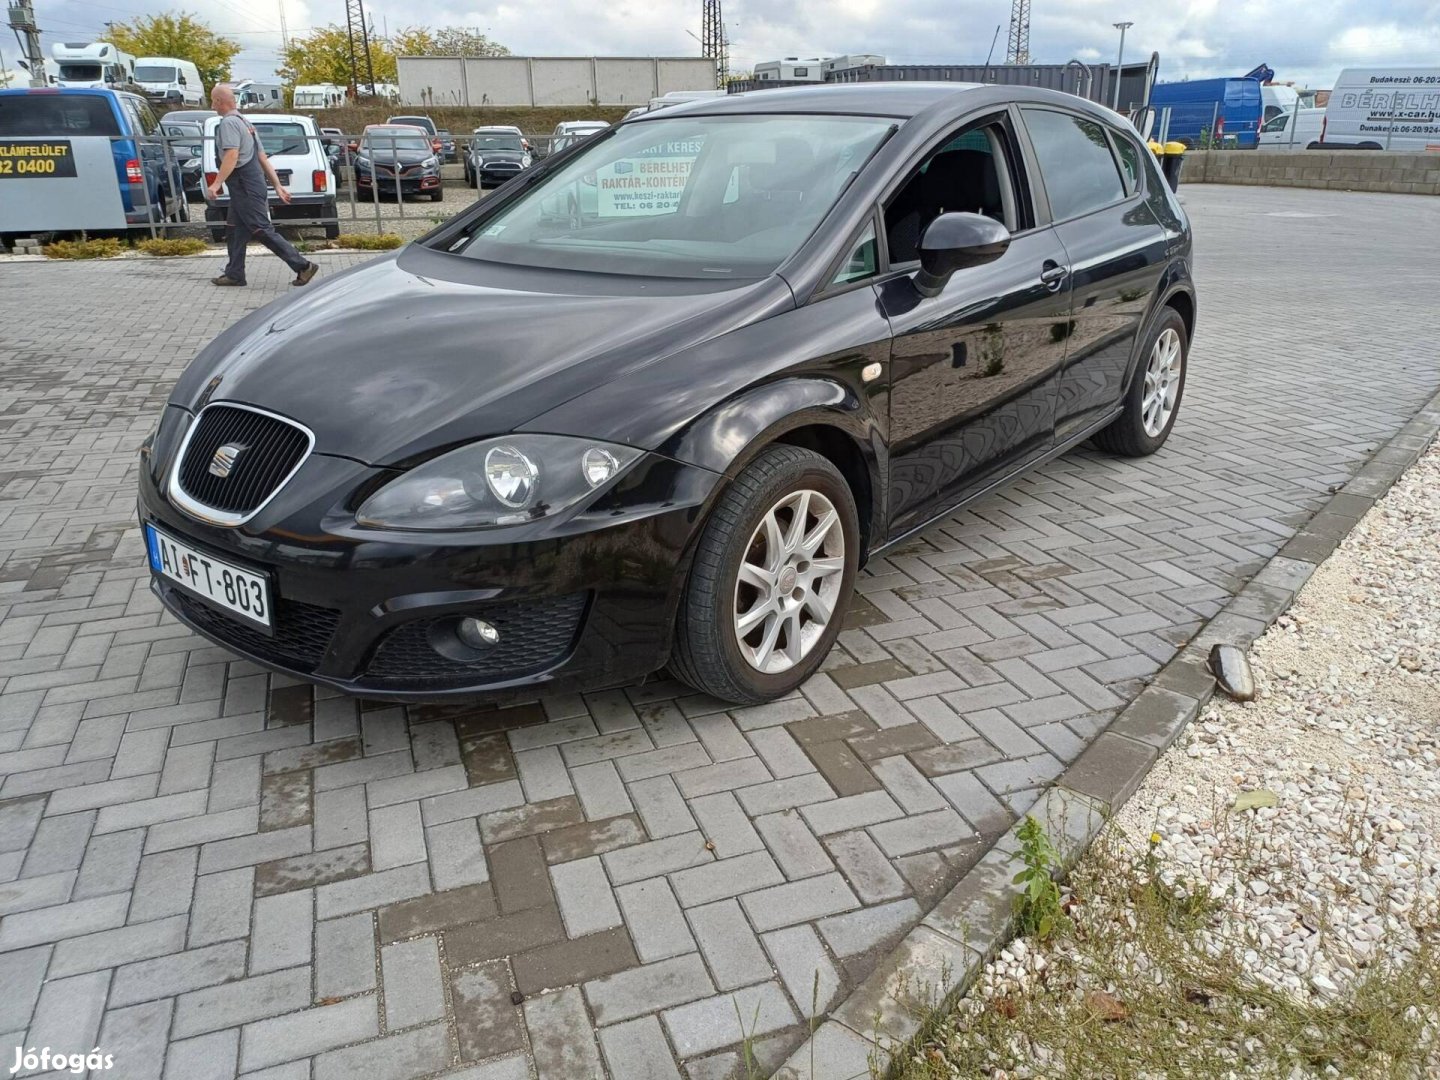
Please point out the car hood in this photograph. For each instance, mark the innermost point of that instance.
(500, 155)
(421, 350)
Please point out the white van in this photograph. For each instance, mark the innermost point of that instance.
(1277, 98)
(166, 78)
(1295, 130)
(293, 144)
(1384, 109)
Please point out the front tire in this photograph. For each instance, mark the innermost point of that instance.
(771, 580)
(1153, 400)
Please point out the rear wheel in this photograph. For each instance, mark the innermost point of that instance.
(771, 580)
(1153, 401)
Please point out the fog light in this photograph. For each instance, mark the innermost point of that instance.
(477, 633)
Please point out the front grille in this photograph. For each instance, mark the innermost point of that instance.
(302, 631)
(269, 449)
(534, 635)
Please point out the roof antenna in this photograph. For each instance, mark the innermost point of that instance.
(991, 53)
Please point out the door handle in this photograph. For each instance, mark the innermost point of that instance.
(1052, 274)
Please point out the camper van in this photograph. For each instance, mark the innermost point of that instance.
(317, 97)
(167, 79)
(94, 64)
(1384, 109)
(791, 69)
(254, 96)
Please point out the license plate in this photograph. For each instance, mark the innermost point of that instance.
(241, 592)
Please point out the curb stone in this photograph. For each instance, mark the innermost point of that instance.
(938, 959)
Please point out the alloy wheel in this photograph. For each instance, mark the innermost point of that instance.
(1162, 383)
(789, 581)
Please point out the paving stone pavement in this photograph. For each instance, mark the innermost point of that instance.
(208, 871)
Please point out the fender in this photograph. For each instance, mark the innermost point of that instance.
(729, 436)
(1176, 280)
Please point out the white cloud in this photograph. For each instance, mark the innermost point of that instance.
(1304, 40)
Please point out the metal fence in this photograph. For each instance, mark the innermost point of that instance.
(163, 178)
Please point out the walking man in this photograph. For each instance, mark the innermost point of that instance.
(244, 168)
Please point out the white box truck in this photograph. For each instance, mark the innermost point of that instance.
(1394, 108)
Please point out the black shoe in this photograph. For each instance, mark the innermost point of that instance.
(223, 280)
(304, 276)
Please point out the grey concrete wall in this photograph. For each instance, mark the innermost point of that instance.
(501, 80)
(1344, 170)
(548, 80)
(621, 81)
(684, 73)
(563, 81)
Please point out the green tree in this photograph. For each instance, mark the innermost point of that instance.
(181, 35)
(323, 56)
(445, 41)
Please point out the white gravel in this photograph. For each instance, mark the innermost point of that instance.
(1345, 731)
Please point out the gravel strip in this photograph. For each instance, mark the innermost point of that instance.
(1331, 881)
(1346, 732)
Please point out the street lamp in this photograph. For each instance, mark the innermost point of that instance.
(1120, 60)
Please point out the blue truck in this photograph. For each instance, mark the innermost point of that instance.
(1227, 111)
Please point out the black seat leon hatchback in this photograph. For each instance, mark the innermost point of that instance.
(656, 401)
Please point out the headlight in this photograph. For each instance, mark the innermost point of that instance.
(429, 163)
(502, 481)
(362, 162)
(193, 163)
(525, 162)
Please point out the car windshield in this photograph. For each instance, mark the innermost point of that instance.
(56, 114)
(413, 121)
(698, 197)
(283, 138)
(498, 142)
(384, 139)
(146, 73)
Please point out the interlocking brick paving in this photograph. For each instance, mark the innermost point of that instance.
(209, 871)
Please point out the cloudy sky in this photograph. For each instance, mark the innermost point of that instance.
(1304, 40)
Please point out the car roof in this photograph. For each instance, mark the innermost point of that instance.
(898, 99)
(396, 129)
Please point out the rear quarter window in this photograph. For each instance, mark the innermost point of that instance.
(26, 115)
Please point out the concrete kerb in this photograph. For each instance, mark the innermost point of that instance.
(938, 960)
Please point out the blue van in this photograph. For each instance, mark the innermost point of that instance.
(150, 185)
(1234, 106)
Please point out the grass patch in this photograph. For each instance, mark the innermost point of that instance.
(101, 248)
(368, 241)
(1151, 981)
(164, 247)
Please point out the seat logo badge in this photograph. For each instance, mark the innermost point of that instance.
(223, 462)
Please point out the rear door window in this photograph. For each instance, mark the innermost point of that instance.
(26, 115)
(282, 138)
(1076, 164)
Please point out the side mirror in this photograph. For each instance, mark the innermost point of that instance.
(954, 242)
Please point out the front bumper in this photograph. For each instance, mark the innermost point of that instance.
(409, 185)
(581, 602)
